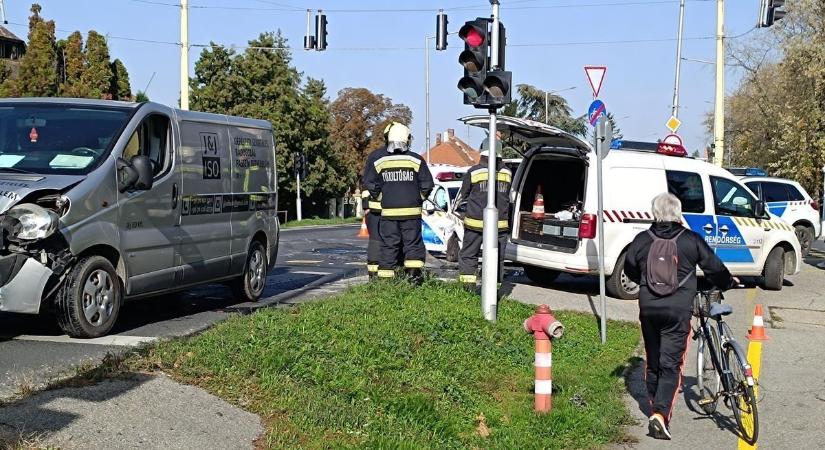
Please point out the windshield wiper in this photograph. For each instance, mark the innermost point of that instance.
(16, 170)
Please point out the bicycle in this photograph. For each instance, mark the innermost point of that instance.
(729, 377)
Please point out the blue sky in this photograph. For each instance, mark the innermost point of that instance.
(550, 43)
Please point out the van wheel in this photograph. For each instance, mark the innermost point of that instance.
(806, 238)
(619, 285)
(88, 303)
(774, 272)
(540, 275)
(249, 286)
(453, 248)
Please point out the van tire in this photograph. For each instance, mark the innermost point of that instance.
(806, 238)
(249, 286)
(453, 248)
(92, 281)
(540, 275)
(618, 285)
(774, 273)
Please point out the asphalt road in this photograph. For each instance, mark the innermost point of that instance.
(33, 350)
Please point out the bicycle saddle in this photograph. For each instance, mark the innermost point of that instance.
(717, 310)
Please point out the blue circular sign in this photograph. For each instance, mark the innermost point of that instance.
(596, 109)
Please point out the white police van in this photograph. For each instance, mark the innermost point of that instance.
(789, 200)
(750, 240)
(442, 227)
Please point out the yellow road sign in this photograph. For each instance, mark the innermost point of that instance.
(673, 124)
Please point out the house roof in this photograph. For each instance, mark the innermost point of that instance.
(452, 150)
(8, 35)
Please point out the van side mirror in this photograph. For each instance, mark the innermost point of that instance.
(759, 209)
(127, 176)
(143, 166)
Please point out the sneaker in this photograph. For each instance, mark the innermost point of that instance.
(657, 428)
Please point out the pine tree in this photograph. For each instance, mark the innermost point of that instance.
(38, 67)
(120, 87)
(74, 57)
(97, 75)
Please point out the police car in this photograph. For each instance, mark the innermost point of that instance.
(789, 200)
(738, 226)
(441, 225)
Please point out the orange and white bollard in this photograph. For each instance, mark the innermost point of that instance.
(544, 327)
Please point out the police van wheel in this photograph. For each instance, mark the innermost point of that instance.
(251, 284)
(453, 248)
(774, 273)
(619, 285)
(540, 275)
(88, 303)
(806, 238)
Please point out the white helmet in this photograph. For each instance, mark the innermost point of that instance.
(398, 137)
(485, 144)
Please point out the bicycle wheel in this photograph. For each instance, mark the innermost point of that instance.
(742, 398)
(707, 377)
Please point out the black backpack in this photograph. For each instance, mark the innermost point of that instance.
(662, 271)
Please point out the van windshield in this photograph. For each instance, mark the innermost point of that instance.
(57, 139)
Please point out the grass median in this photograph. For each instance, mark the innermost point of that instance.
(315, 221)
(387, 365)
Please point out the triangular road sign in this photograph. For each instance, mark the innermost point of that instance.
(595, 75)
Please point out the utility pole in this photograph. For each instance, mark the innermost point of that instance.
(427, 95)
(489, 269)
(719, 110)
(3, 11)
(184, 54)
(675, 112)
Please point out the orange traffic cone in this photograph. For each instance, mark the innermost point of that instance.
(538, 205)
(363, 232)
(757, 332)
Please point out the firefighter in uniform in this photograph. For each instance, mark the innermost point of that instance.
(372, 215)
(401, 181)
(474, 192)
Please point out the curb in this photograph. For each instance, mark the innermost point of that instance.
(320, 227)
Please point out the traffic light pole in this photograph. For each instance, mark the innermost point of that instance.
(427, 95)
(675, 111)
(489, 268)
(184, 54)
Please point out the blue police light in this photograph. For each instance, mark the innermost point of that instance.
(616, 144)
(755, 172)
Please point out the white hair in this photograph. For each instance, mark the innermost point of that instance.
(667, 208)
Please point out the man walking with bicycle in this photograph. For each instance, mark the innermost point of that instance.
(663, 262)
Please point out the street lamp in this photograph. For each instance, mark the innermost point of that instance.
(547, 101)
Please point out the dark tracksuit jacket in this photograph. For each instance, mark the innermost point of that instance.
(474, 192)
(373, 217)
(401, 181)
(666, 320)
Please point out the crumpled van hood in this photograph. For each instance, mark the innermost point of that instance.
(15, 187)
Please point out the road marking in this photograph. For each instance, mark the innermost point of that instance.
(115, 340)
(355, 263)
(302, 261)
(307, 272)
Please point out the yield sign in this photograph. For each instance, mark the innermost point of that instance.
(595, 75)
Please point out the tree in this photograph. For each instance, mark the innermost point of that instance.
(38, 67)
(97, 75)
(119, 84)
(535, 104)
(74, 63)
(141, 97)
(359, 117)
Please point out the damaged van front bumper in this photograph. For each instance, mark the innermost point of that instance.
(22, 282)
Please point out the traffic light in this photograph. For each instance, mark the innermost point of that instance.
(773, 11)
(483, 86)
(321, 31)
(441, 30)
(475, 59)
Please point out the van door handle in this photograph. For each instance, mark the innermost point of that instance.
(174, 195)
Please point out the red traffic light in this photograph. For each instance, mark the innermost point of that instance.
(472, 35)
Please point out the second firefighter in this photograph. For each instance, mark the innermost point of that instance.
(474, 193)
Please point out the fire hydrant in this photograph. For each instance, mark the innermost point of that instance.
(544, 327)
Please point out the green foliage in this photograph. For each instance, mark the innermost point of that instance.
(535, 104)
(74, 63)
(775, 119)
(97, 75)
(141, 97)
(317, 221)
(261, 83)
(359, 117)
(38, 67)
(387, 365)
(119, 83)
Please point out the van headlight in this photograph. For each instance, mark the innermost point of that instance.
(36, 222)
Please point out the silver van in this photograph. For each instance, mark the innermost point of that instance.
(103, 201)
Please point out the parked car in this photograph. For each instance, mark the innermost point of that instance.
(105, 201)
(750, 240)
(789, 200)
(442, 226)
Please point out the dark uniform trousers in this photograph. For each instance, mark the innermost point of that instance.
(401, 237)
(374, 244)
(470, 251)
